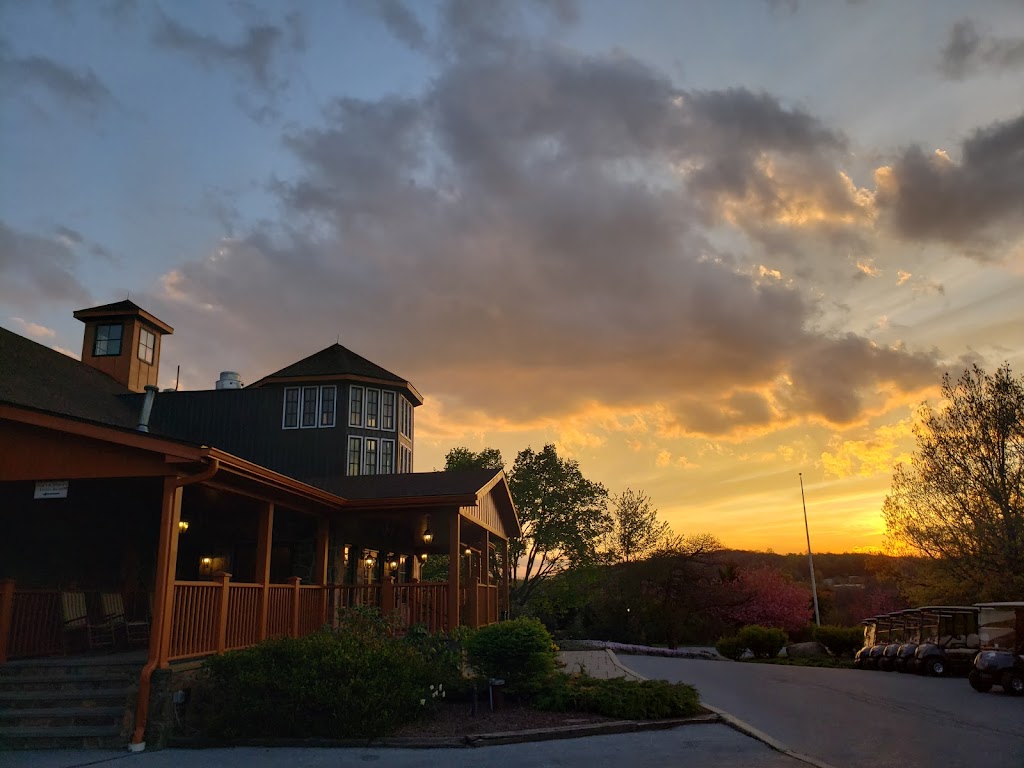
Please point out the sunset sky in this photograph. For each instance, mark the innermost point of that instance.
(700, 246)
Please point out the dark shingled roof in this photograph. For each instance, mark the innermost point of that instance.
(38, 377)
(465, 482)
(118, 306)
(336, 360)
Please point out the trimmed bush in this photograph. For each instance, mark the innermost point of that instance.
(618, 697)
(763, 642)
(730, 647)
(520, 652)
(358, 683)
(841, 641)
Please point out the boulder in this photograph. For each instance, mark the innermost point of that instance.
(806, 650)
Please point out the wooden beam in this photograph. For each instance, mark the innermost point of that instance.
(166, 572)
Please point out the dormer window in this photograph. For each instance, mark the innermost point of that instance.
(108, 340)
(147, 345)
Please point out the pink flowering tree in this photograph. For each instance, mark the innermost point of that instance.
(771, 599)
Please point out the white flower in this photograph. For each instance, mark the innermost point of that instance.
(431, 687)
(423, 702)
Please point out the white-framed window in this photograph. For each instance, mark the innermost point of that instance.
(290, 419)
(309, 403)
(387, 410)
(387, 457)
(147, 345)
(328, 401)
(355, 406)
(108, 340)
(370, 455)
(309, 407)
(355, 454)
(404, 459)
(405, 417)
(372, 408)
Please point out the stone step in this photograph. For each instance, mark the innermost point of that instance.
(8, 672)
(63, 737)
(90, 697)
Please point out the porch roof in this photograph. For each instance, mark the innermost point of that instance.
(461, 488)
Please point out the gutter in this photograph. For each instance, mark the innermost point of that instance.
(137, 742)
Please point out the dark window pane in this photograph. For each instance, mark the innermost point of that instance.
(291, 408)
(327, 397)
(309, 395)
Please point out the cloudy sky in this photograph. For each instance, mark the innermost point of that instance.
(701, 246)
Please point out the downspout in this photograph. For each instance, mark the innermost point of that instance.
(137, 743)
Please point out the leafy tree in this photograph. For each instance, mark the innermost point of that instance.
(771, 599)
(563, 516)
(463, 458)
(636, 530)
(960, 503)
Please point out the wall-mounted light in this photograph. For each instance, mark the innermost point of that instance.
(427, 535)
(423, 557)
(368, 559)
(182, 526)
(468, 552)
(205, 566)
(392, 560)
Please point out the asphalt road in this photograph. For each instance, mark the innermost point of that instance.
(859, 719)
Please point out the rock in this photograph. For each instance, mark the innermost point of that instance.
(806, 650)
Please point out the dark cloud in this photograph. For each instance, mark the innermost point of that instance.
(930, 196)
(532, 235)
(402, 22)
(252, 57)
(35, 269)
(969, 51)
(80, 89)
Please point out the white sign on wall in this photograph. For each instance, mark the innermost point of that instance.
(51, 489)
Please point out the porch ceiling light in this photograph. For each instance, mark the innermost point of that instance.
(427, 535)
(182, 526)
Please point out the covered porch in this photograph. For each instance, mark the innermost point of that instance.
(207, 552)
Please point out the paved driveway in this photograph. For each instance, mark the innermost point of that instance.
(859, 719)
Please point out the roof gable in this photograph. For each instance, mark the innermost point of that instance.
(337, 361)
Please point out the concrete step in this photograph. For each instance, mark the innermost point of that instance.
(60, 716)
(63, 737)
(86, 698)
(60, 682)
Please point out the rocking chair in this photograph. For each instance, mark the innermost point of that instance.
(136, 631)
(76, 621)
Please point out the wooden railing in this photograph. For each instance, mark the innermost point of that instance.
(30, 622)
(210, 617)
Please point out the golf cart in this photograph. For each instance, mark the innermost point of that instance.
(897, 627)
(949, 640)
(911, 639)
(860, 660)
(883, 625)
(1001, 660)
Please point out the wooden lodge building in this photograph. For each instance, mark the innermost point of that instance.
(189, 523)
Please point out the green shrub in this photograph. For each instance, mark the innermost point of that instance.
(359, 683)
(618, 697)
(730, 647)
(763, 642)
(841, 641)
(520, 652)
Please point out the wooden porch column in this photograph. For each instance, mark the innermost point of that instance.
(506, 568)
(166, 572)
(223, 600)
(454, 556)
(6, 613)
(264, 541)
(323, 539)
(293, 581)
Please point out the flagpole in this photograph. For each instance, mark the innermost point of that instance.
(810, 558)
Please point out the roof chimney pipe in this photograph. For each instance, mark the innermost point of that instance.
(147, 408)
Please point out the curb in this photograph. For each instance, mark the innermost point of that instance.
(450, 742)
(739, 725)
